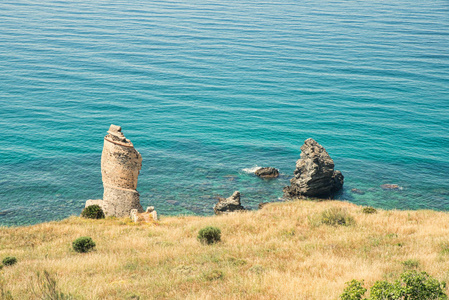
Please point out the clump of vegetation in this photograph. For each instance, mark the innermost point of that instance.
(410, 263)
(354, 290)
(4, 293)
(209, 235)
(46, 288)
(214, 275)
(412, 286)
(258, 269)
(93, 212)
(336, 216)
(83, 244)
(9, 261)
(444, 248)
(369, 210)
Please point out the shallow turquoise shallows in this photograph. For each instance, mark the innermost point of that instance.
(208, 90)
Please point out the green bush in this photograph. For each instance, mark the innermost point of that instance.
(384, 290)
(369, 210)
(354, 290)
(93, 212)
(412, 286)
(209, 235)
(83, 244)
(336, 216)
(421, 285)
(9, 261)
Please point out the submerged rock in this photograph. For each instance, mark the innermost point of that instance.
(390, 187)
(267, 172)
(314, 175)
(227, 205)
(357, 191)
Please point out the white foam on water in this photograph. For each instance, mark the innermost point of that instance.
(251, 170)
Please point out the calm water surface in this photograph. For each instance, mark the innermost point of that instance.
(209, 89)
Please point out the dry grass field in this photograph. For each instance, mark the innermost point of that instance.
(279, 252)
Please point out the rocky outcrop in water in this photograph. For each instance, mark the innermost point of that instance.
(267, 172)
(314, 174)
(228, 205)
(120, 167)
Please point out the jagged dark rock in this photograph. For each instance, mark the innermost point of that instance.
(314, 174)
(227, 205)
(267, 172)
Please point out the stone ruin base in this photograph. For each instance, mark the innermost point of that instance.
(148, 216)
(129, 199)
(137, 216)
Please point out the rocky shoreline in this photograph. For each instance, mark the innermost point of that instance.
(314, 176)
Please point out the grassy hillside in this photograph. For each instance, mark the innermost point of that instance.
(279, 252)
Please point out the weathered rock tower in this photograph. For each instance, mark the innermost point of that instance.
(120, 167)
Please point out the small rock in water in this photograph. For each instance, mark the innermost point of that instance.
(268, 172)
(390, 187)
(227, 205)
(172, 202)
(357, 191)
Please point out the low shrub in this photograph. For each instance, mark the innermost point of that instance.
(385, 290)
(336, 216)
(9, 261)
(83, 244)
(420, 285)
(93, 212)
(413, 285)
(354, 290)
(209, 235)
(369, 210)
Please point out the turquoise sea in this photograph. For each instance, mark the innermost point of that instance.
(207, 90)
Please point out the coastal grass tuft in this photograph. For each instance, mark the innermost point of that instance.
(369, 210)
(46, 287)
(335, 216)
(410, 264)
(273, 253)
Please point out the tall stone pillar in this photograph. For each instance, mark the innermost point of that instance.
(120, 167)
